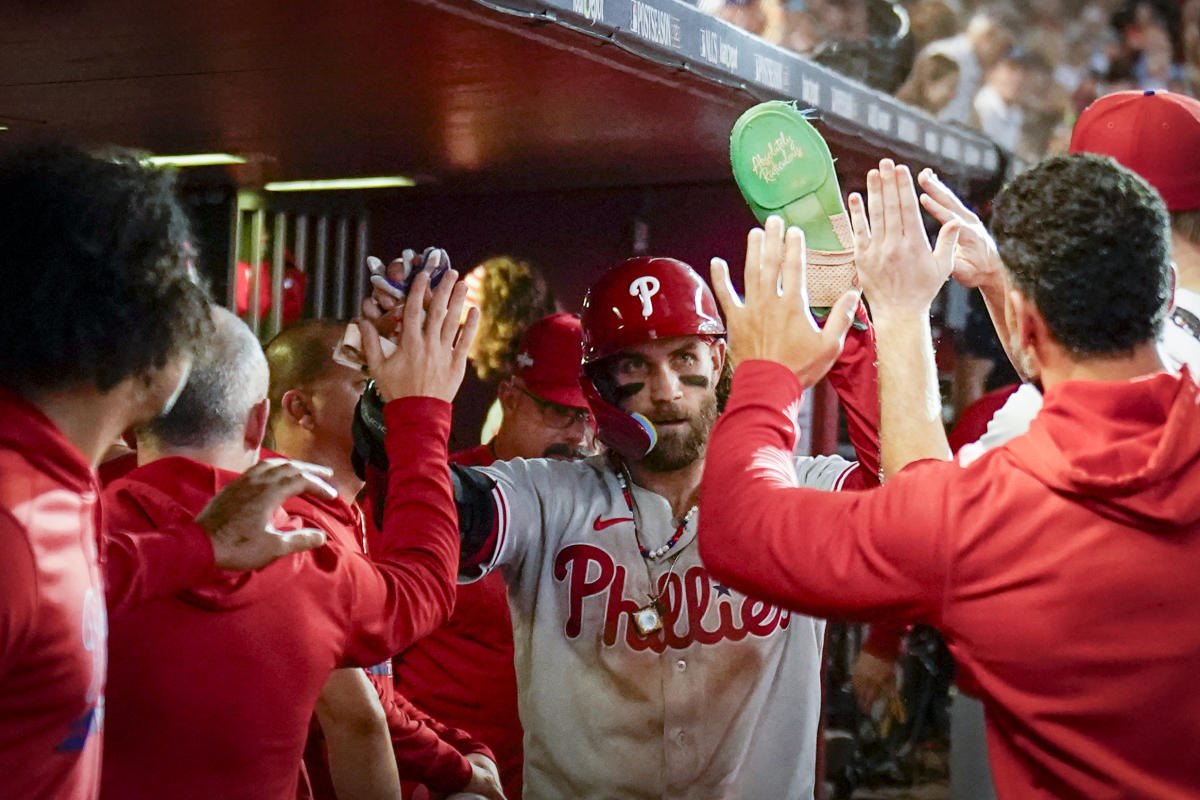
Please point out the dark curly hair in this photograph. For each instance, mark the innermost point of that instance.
(1088, 242)
(95, 261)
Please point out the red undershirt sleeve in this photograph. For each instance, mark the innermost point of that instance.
(855, 378)
(828, 554)
(422, 755)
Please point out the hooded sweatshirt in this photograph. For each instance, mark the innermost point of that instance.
(1062, 569)
(427, 752)
(211, 690)
(52, 616)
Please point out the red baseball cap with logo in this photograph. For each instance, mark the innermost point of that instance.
(1153, 133)
(547, 361)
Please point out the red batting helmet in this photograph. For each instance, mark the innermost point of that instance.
(638, 301)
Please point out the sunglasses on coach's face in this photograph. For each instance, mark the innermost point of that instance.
(555, 415)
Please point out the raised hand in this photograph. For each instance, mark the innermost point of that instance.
(431, 357)
(976, 262)
(774, 322)
(896, 267)
(391, 284)
(238, 518)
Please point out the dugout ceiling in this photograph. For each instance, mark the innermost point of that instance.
(466, 95)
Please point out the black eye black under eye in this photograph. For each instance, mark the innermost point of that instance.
(627, 390)
(694, 380)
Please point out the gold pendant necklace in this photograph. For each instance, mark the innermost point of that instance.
(648, 619)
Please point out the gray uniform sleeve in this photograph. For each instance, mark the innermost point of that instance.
(533, 499)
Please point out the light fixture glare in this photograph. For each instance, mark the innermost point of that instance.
(380, 182)
(193, 160)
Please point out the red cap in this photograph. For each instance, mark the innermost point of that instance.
(1155, 134)
(548, 360)
(644, 299)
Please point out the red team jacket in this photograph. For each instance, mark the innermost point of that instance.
(211, 690)
(463, 672)
(52, 616)
(1062, 568)
(427, 751)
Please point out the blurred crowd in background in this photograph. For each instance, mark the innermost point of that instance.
(1019, 71)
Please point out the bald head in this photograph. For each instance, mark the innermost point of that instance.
(301, 356)
(228, 379)
(313, 398)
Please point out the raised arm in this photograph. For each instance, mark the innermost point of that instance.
(409, 589)
(901, 275)
(865, 554)
(977, 264)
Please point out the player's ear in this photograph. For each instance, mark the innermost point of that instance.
(508, 394)
(256, 424)
(718, 349)
(298, 408)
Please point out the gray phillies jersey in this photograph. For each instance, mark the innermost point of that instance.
(722, 703)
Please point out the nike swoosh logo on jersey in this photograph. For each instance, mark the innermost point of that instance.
(600, 524)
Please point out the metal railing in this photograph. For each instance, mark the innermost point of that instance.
(301, 248)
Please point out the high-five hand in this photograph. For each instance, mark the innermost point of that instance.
(900, 276)
(391, 284)
(432, 354)
(976, 262)
(896, 267)
(774, 322)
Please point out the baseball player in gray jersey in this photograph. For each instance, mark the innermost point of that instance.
(639, 676)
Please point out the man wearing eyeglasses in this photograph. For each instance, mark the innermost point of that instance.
(545, 413)
(463, 674)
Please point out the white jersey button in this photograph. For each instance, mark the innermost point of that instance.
(680, 665)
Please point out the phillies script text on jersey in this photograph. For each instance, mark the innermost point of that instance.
(685, 601)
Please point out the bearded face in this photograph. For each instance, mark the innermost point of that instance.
(672, 382)
(682, 436)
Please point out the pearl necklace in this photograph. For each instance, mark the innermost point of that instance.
(657, 552)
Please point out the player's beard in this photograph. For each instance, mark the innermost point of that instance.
(566, 451)
(679, 449)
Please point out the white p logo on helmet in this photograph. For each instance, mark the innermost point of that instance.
(644, 288)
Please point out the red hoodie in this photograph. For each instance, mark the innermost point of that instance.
(463, 673)
(1062, 568)
(52, 619)
(52, 651)
(211, 690)
(427, 752)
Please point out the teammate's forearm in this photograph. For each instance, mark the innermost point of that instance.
(910, 403)
(478, 521)
(361, 764)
